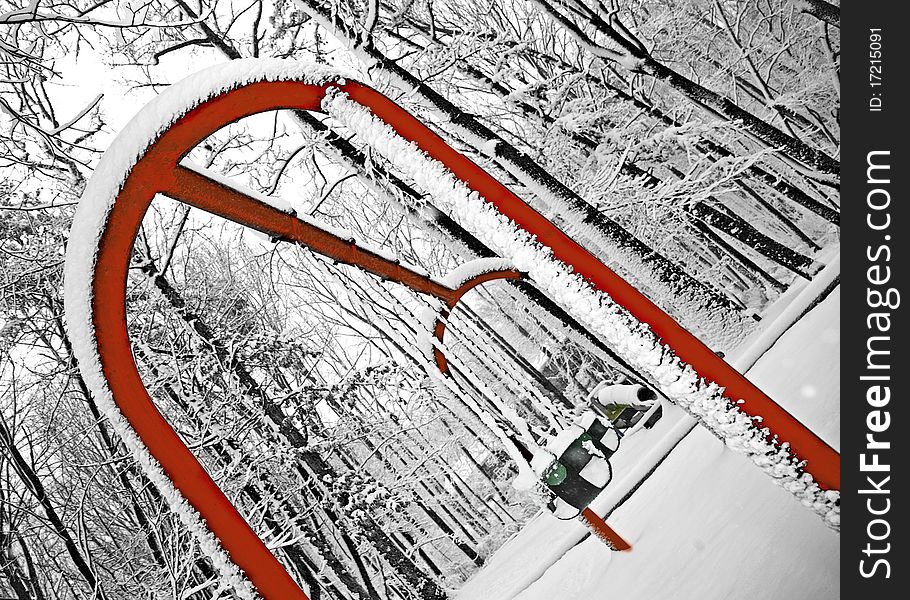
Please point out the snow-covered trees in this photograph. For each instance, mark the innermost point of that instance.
(691, 145)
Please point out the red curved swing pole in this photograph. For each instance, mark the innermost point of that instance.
(159, 171)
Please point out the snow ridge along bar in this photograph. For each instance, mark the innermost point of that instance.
(823, 462)
(158, 170)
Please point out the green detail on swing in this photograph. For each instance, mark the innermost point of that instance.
(556, 474)
(613, 410)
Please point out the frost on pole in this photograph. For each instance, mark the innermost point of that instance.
(146, 159)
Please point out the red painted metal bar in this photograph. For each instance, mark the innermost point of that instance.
(604, 531)
(220, 199)
(823, 462)
(158, 171)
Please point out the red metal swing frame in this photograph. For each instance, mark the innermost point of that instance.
(159, 171)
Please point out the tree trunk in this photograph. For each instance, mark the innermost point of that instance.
(824, 11)
(729, 224)
(36, 488)
(770, 135)
(633, 56)
(707, 147)
(739, 229)
(742, 258)
(466, 549)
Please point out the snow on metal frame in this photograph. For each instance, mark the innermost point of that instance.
(631, 339)
(83, 246)
(91, 219)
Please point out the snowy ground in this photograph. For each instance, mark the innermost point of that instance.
(707, 524)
